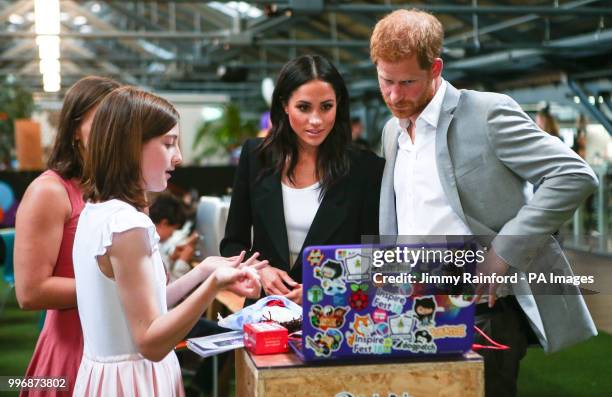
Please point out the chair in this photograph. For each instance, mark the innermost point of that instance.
(210, 224)
(211, 217)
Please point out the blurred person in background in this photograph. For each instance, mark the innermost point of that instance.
(357, 132)
(168, 213)
(547, 122)
(580, 142)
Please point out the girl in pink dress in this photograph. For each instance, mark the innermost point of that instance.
(45, 226)
(129, 333)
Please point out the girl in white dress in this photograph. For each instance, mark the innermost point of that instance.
(129, 334)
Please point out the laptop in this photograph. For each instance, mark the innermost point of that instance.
(351, 310)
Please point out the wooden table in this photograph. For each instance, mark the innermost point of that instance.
(285, 375)
(226, 302)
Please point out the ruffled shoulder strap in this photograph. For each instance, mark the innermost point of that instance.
(123, 218)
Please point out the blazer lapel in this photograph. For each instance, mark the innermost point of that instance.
(329, 216)
(269, 203)
(388, 216)
(446, 171)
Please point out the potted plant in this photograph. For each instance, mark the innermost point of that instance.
(222, 135)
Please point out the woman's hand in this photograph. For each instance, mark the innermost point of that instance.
(295, 294)
(275, 281)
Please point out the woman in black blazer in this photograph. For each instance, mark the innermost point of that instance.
(304, 184)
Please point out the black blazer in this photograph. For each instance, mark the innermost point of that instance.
(348, 210)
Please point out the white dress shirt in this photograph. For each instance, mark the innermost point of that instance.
(421, 205)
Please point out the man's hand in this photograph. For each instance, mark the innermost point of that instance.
(273, 281)
(492, 264)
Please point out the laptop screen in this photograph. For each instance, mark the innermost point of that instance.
(358, 302)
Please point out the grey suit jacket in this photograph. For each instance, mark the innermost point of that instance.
(486, 148)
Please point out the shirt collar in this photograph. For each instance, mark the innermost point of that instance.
(431, 113)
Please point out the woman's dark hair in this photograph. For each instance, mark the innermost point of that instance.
(83, 96)
(125, 120)
(280, 147)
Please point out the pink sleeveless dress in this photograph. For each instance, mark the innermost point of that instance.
(59, 348)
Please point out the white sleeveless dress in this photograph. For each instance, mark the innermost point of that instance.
(111, 364)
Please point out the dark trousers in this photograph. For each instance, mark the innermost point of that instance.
(505, 323)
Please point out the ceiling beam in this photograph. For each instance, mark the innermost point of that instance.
(475, 10)
(20, 7)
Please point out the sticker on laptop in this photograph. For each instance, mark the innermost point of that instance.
(325, 343)
(423, 342)
(359, 298)
(357, 268)
(342, 253)
(390, 302)
(365, 338)
(314, 294)
(379, 316)
(424, 309)
(325, 317)
(315, 257)
(331, 275)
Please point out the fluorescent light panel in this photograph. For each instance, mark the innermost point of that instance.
(48, 47)
(47, 25)
(52, 82)
(47, 16)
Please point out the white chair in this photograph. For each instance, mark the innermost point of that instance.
(210, 224)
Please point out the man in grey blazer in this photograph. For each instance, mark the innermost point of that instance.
(457, 162)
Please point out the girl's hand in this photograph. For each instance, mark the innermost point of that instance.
(244, 282)
(210, 264)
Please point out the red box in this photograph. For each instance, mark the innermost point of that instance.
(266, 338)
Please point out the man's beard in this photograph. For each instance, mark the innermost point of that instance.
(408, 109)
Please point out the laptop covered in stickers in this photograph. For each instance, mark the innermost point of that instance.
(348, 312)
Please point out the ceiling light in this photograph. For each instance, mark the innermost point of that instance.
(79, 20)
(47, 25)
(48, 47)
(16, 19)
(47, 16)
(52, 82)
(49, 66)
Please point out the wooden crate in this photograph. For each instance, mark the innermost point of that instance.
(284, 375)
